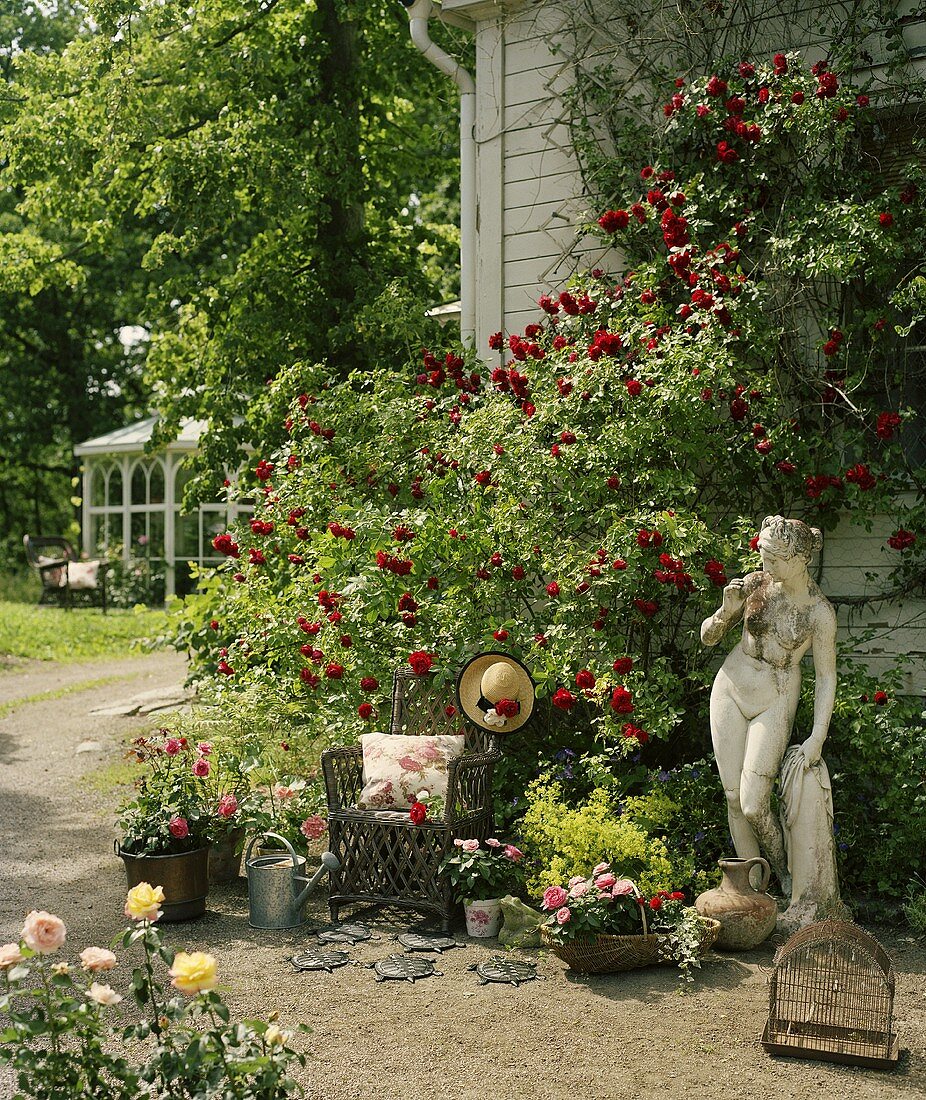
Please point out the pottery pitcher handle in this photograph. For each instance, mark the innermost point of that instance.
(766, 871)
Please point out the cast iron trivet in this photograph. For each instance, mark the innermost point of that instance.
(345, 933)
(313, 959)
(499, 969)
(401, 968)
(423, 941)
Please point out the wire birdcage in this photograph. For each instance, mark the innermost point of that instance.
(831, 997)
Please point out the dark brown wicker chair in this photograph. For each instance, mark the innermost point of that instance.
(385, 859)
(52, 557)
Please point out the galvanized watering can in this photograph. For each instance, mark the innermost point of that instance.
(276, 890)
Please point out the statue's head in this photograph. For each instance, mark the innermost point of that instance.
(789, 537)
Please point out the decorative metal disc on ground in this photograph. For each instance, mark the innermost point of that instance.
(425, 941)
(345, 933)
(402, 968)
(313, 959)
(500, 969)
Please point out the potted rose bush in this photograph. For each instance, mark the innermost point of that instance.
(481, 873)
(184, 800)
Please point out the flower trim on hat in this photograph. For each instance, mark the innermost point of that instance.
(497, 714)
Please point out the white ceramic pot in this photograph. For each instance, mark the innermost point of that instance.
(483, 918)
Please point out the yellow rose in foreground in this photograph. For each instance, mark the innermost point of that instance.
(142, 901)
(194, 972)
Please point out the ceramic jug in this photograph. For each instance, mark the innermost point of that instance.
(747, 916)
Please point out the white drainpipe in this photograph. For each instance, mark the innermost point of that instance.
(419, 12)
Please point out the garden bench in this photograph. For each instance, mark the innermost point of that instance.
(63, 575)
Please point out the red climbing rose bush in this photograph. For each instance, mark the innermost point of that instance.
(581, 499)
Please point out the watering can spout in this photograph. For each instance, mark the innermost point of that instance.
(330, 862)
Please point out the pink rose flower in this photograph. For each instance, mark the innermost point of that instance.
(457, 843)
(575, 879)
(95, 959)
(204, 748)
(554, 897)
(283, 792)
(201, 767)
(514, 854)
(103, 994)
(470, 845)
(622, 888)
(228, 805)
(579, 889)
(563, 916)
(313, 827)
(601, 868)
(43, 932)
(178, 827)
(493, 843)
(172, 746)
(605, 881)
(10, 955)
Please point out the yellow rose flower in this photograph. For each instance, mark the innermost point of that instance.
(142, 901)
(194, 972)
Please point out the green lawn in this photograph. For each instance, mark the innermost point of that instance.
(50, 633)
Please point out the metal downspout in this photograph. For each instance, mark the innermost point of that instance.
(419, 12)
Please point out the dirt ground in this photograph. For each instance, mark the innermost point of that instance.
(639, 1034)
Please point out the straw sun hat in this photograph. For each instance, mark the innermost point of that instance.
(488, 679)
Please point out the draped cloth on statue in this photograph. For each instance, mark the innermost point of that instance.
(806, 811)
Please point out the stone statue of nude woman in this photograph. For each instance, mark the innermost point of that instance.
(752, 708)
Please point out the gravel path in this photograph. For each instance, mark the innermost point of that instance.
(638, 1035)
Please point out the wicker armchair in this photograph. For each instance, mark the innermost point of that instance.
(385, 859)
(62, 574)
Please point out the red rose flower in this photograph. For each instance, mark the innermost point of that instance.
(886, 219)
(585, 680)
(417, 813)
(365, 710)
(484, 477)
(553, 589)
(726, 154)
(500, 635)
(634, 733)
(781, 64)
(369, 683)
(334, 671)
(450, 710)
(621, 701)
(507, 708)
(901, 539)
(888, 423)
(716, 86)
(623, 664)
(421, 662)
(880, 698)
(613, 220)
(563, 699)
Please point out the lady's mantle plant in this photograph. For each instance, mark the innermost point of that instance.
(54, 1021)
(481, 870)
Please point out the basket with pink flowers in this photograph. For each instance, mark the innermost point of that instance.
(603, 924)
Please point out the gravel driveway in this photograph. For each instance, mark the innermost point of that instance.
(639, 1035)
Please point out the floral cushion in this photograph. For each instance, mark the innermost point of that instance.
(396, 768)
(83, 574)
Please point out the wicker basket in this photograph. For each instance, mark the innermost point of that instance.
(610, 954)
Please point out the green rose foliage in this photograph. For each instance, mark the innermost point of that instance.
(581, 502)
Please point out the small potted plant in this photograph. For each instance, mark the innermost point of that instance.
(603, 924)
(183, 801)
(481, 873)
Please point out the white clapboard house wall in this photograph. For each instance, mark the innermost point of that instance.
(532, 203)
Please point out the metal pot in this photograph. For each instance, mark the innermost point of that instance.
(184, 877)
(277, 891)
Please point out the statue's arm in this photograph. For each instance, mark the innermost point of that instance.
(728, 614)
(824, 691)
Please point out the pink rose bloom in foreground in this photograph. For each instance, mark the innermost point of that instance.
(172, 746)
(470, 845)
(201, 767)
(178, 827)
(622, 888)
(563, 916)
(601, 868)
(43, 932)
(95, 959)
(493, 843)
(513, 853)
(228, 805)
(579, 889)
(10, 955)
(103, 994)
(554, 897)
(605, 881)
(204, 748)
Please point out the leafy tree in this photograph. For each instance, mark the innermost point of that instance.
(252, 164)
